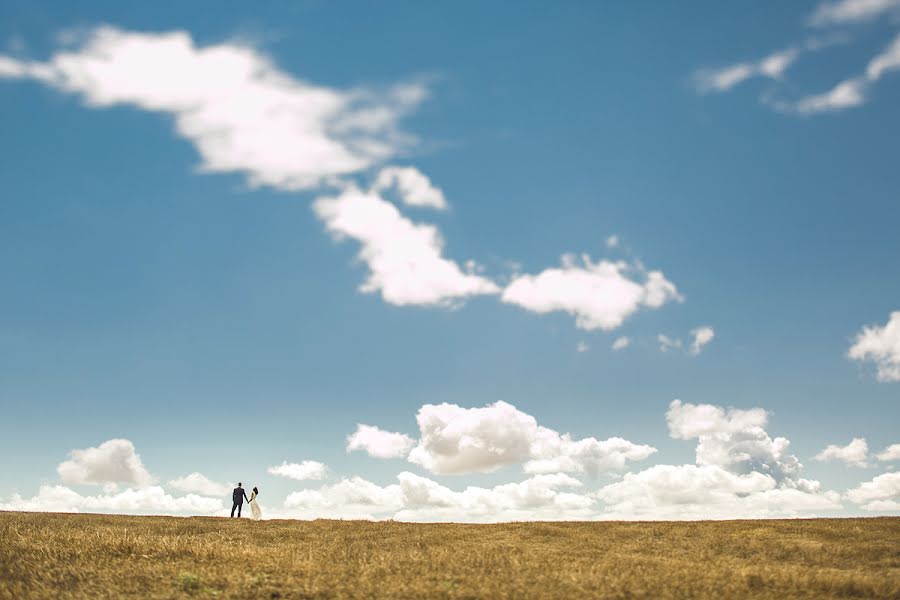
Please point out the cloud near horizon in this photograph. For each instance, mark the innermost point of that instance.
(454, 440)
(882, 493)
(148, 500)
(198, 483)
(303, 471)
(112, 462)
(739, 472)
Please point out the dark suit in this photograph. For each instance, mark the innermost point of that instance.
(238, 496)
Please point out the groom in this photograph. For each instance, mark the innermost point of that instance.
(238, 496)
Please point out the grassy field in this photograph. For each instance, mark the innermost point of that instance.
(97, 556)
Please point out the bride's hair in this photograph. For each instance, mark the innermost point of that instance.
(256, 490)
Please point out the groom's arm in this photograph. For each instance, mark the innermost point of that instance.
(245, 497)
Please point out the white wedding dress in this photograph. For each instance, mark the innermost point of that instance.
(255, 512)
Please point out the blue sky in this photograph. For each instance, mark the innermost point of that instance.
(185, 249)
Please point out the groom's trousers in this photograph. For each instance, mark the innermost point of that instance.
(237, 505)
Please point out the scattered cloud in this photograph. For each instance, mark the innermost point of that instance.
(880, 494)
(414, 187)
(849, 93)
(740, 472)
(846, 12)
(457, 440)
(404, 258)
(308, 469)
(845, 94)
(666, 343)
(582, 347)
(854, 454)
(612, 241)
(880, 345)
(245, 115)
(199, 484)
(723, 79)
(113, 461)
(379, 443)
(890, 453)
(621, 343)
(702, 336)
(147, 500)
(241, 113)
(599, 295)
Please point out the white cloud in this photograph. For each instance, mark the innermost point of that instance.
(199, 484)
(308, 469)
(850, 92)
(148, 500)
(702, 336)
(890, 453)
(846, 94)
(539, 498)
(404, 258)
(417, 498)
(772, 66)
(740, 473)
(880, 345)
(612, 241)
(555, 454)
(415, 187)
(456, 440)
(666, 343)
(888, 60)
(582, 347)
(353, 498)
(882, 493)
(240, 112)
(599, 295)
(734, 439)
(379, 443)
(621, 343)
(853, 454)
(707, 492)
(851, 11)
(660, 492)
(113, 461)
(720, 80)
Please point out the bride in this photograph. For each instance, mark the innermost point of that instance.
(254, 505)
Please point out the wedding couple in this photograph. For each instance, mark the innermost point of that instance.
(239, 495)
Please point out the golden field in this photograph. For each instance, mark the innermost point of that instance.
(99, 556)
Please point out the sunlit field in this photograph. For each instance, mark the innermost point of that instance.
(89, 556)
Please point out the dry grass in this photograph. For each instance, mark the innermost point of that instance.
(96, 556)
